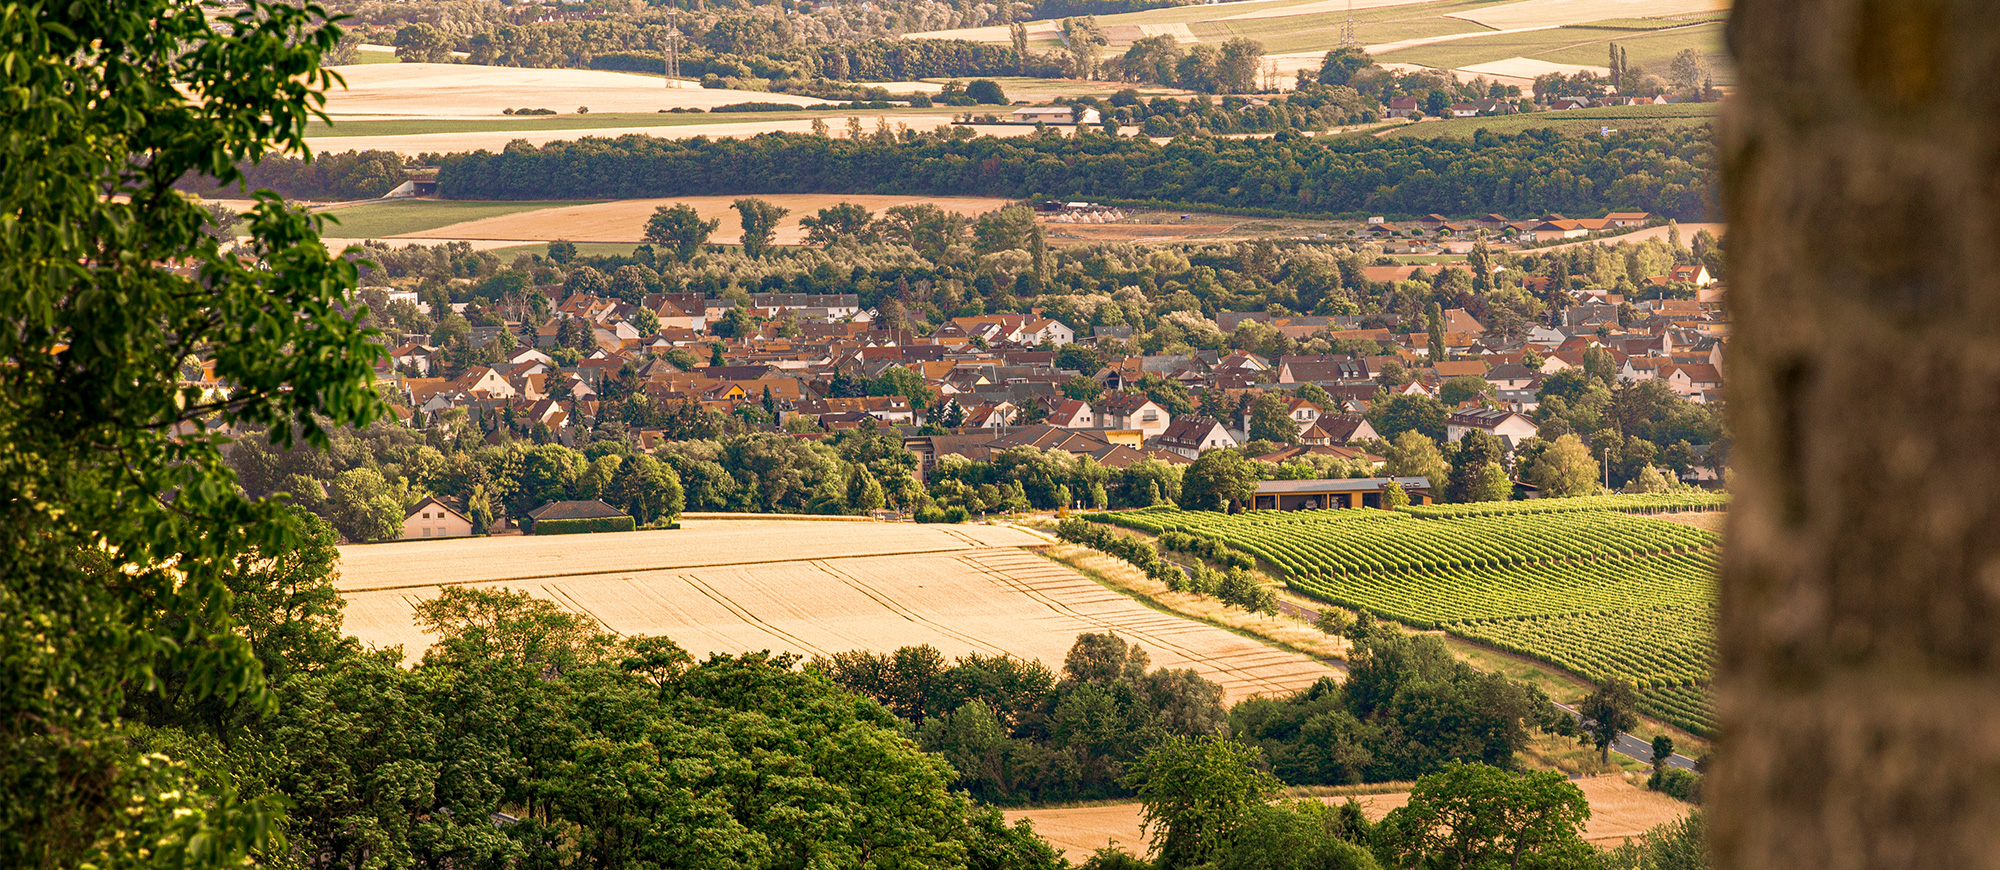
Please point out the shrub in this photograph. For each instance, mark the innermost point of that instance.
(577, 527)
(955, 514)
(930, 515)
(1676, 783)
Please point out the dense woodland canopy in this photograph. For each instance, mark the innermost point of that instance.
(1667, 172)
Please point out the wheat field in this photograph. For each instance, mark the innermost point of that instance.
(808, 588)
(1619, 811)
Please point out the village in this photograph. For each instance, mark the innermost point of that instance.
(974, 387)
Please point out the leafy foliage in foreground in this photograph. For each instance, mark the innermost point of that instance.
(120, 527)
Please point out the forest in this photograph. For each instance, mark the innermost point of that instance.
(1667, 172)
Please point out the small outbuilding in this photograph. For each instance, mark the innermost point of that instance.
(1336, 494)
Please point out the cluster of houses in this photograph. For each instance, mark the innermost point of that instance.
(1437, 232)
(1408, 106)
(998, 377)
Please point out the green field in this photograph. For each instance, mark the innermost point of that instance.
(1577, 122)
(1322, 32)
(1655, 51)
(1631, 503)
(1583, 44)
(1577, 583)
(361, 57)
(377, 220)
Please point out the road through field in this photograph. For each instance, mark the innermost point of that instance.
(731, 586)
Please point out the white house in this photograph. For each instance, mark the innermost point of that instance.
(432, 518)
(1193, 436)
(1132, 411)
(1506, 425)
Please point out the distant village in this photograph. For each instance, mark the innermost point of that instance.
(998, 381)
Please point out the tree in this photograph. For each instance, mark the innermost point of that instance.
(1688, 70)
(1271, 420)
(1081, 38)
(1411, 454)
(1436, 347)
(680, 229)
(1566, 468)
(1468, 467)
(422, 43)
(1493, 484)
(561, 251)
(1394, 497)
(586, 280)
(361, 507)
(1005, 229)
(646, 488)
(1082, 388)
(1649, 479)
(632, 282)
(1472, 815)
(930, 230)
(119, 522)
(842, 223)
(986, 92)
(1663, 749)
(1340, 64)
(1219, 480)
(1198, 793)
(1463, 388)
(1611, 709)
(1392, 414)
(760, 222)
(864, 492)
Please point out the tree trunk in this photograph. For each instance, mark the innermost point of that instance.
(1858, 685)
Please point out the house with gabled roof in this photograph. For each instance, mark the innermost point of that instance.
(435, 518)
(1510, 427)
(1193, 436)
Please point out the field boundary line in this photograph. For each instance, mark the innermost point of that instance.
(861, 586)
(569, 575)
(744, 613)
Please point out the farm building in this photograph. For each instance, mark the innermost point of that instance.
(1359, 492)
(1053, 115)
(589, 515)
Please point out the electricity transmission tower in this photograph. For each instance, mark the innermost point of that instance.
(673, 46)
(1347, 31)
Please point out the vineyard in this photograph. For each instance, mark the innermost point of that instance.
(1583, 584)
(1632, 503)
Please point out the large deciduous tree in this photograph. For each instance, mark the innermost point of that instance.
(119, 523)
(760, 223)
(680, 229)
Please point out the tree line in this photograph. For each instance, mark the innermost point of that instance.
(1669, 172)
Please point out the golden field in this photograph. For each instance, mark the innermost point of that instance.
(730, 586)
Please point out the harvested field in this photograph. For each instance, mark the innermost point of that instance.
(445, 90)
(1318, 7)
(625, 221)
(1528, 68)
(1619, 810)
(716, 586)
(1556, 13)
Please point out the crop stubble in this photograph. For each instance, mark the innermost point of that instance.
(1619, 810)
